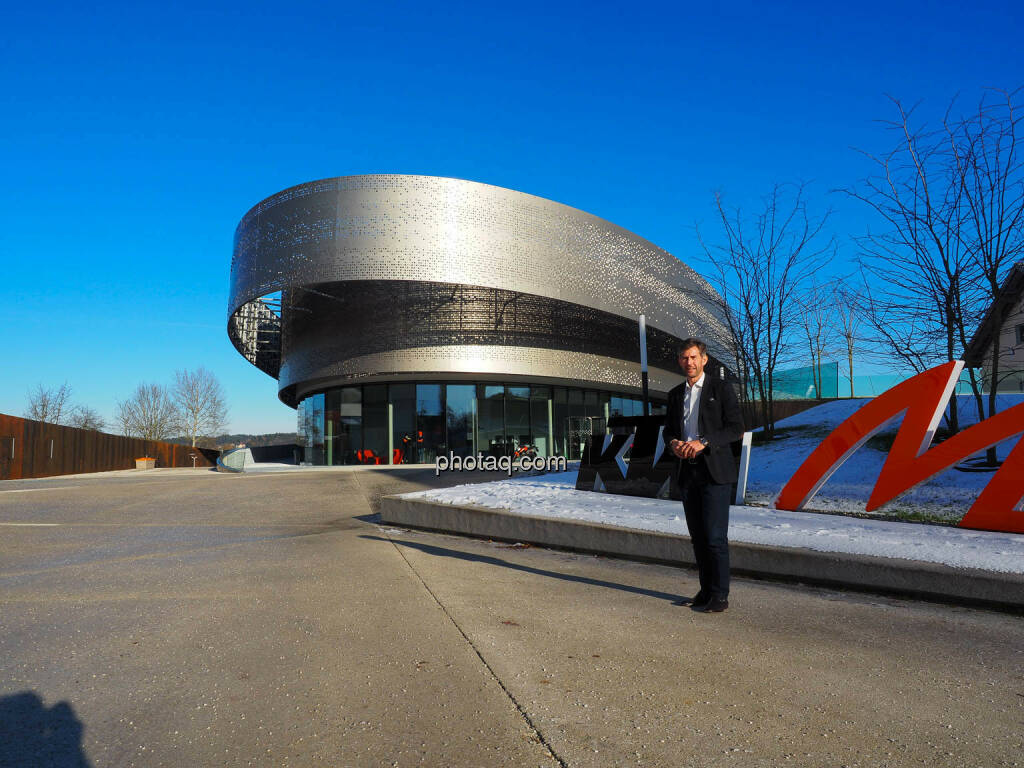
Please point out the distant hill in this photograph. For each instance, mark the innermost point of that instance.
(226, 441)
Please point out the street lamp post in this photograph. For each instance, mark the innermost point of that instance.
(643, 363)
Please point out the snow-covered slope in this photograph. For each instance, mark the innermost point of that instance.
(949, 494)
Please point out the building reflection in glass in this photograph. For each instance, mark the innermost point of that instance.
(413, 423)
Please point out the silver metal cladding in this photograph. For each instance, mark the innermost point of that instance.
(325, 243)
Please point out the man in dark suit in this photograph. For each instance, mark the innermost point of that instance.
(702, 422)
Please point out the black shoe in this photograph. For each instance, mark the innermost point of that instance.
(714, 605)
(697, 599)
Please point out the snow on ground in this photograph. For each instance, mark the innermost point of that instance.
(554, 495)
(948, 494)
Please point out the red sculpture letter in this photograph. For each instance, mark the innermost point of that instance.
(910, 462)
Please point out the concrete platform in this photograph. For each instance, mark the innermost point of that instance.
(882, 575)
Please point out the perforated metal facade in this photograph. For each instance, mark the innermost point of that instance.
(389, 277)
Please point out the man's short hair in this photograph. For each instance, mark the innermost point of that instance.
(685, 344)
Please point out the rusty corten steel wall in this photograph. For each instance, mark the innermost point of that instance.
(35, 449)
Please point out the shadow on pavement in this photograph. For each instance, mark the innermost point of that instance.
(32, 735)
(430, 549)
(371, 518)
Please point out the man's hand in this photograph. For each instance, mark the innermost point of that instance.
(686, 450)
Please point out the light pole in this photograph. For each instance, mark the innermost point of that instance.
(643, 363)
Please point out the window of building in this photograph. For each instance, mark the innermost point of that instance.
(332, 426)
(517, 418)
(402, 398)
(576, 404)
(343, 425)
(430, 422)
(352, 425)
(491, 419)
(315, 429)
(615, 407)
(560, 414)
(540, 419)
(460, 415)
(375, 425)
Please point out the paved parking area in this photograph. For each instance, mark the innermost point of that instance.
(186, 617)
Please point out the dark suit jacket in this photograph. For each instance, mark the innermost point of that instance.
(719, 421)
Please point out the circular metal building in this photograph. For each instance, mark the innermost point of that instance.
(406, 316)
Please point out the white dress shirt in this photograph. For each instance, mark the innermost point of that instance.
(691, 409)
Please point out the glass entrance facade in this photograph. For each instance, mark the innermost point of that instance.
(413, 423)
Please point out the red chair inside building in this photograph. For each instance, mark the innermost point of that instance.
(397, 455)
(368, 457)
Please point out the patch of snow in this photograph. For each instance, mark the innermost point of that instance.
(948, 494)
(555, 496)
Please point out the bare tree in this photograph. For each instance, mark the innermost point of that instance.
(149, 413)
(952, 206)
(845, 301)
(84, 417)
(920, 287)
(990, 172)
(739, 333)
(49, 404)
(200, 402)
(817, 315)
(762, 267)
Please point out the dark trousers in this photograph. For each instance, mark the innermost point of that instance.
(706, 505)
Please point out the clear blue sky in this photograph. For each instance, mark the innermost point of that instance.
(134, 137)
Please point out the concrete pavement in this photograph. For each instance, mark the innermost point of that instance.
(883, 575)
(211, 619)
